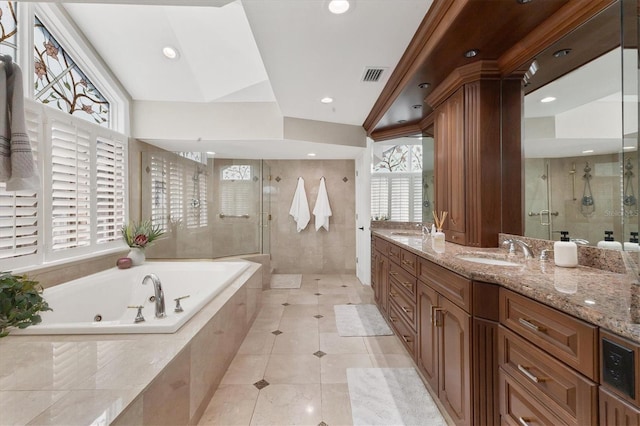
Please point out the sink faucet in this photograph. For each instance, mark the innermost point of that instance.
(526, 249)
(157, 287)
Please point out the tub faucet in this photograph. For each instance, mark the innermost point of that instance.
(526, 249)
(157, 287)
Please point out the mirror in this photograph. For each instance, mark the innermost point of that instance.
(580, 134)
(402, 187)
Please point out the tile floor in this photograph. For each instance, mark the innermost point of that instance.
(291, 367)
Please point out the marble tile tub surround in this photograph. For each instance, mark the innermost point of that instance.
(127, 379)
(607, 299)
(308, 251)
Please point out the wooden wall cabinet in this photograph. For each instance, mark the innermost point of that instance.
(469, 168)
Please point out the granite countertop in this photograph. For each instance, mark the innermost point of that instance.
(607, 299)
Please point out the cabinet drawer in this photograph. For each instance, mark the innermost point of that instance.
(405, 280)
(519, 408)
(381, 245)
(451, 285)
(409, 261)
(395, 253)
(403, 330)
(572, 397)
(404, 305)
(567, 338)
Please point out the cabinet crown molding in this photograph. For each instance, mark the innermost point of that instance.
(479, 70)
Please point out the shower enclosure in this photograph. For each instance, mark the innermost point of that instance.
(207, 208)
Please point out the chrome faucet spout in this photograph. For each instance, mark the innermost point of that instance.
(526, 248)
(159, 294)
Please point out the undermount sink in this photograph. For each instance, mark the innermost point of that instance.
(407, 234)
(488, 259)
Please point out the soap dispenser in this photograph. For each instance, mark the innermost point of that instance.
(565, 252)
(608, 242)
(632, 245)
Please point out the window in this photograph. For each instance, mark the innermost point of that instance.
(396, 183)
(60, 83)
(8, 28)
(235, 190)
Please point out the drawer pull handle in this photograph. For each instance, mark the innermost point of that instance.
(530, 375)
(393, 274)
(523, 421)
(393, 294)
(392, 319)
(407, 285)
(406, 339)
(438, 312)
(406, 310)
(530, 325)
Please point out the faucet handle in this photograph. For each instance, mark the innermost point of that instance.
(178, 307)
(139, 317)
(544, 254)
(512, 245)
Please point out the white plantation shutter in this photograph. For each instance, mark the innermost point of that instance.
(235, 197)
(20, 227)
(110, 188)
(416, 194)
(70, 197)
(202, 220)
(159, 202)
(176, 192)
(379, 196)
(400, 188)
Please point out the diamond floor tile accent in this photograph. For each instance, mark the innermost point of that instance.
(277, 332)
(319, 354)
(344, 285)
(318, 316)
(261, 384)
(322, 424)
(318, 294)
(285, 304)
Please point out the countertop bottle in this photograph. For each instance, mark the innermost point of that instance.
(565, 252)
(632, 245)
(608, 242)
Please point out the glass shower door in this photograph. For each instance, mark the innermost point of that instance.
(265, 209)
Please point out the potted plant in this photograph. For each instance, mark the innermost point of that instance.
(20, 302)
(139, 235)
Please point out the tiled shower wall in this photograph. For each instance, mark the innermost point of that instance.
(308, 251)
(606, 186)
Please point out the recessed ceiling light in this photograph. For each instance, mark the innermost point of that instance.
(170, 52)
(401, 121)
(471, 53)
(629, 147)
(311, 154)
(524, 1)
(326, 100)
(587, 151)
(338, 7)
(424, 85)
(417, 106)
(589, 302)
(547, 99)
(560, 53)
(211, 153)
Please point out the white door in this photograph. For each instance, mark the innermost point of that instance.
(363, 215)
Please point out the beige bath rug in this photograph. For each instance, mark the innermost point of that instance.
(286, 280)
(360, 320)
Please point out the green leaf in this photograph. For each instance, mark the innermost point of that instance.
(67, 85)
(45, 101)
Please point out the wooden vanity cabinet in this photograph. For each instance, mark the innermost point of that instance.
(380, 274)
(548, 364)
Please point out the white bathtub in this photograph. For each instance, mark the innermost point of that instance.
(108, 294)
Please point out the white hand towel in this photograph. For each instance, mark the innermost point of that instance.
(300, 207)
(322, 209)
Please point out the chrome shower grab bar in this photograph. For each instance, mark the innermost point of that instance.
(543, 212)
(238, 216)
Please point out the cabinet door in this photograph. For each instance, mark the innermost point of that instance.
(375, 260)
(454, 360)
(383, 284)
(456, 159)
(427, 356)
(616, 412)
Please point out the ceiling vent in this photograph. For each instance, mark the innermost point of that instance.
(372, 74)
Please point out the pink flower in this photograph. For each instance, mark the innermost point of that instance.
(41, 69)
(87, 109)
(51, 50)
(140, 240)
(83, 82)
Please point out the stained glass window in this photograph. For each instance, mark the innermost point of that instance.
(236, 172)
(8, 28)
(60, 83)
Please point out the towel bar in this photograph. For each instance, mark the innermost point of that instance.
(240, 216)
